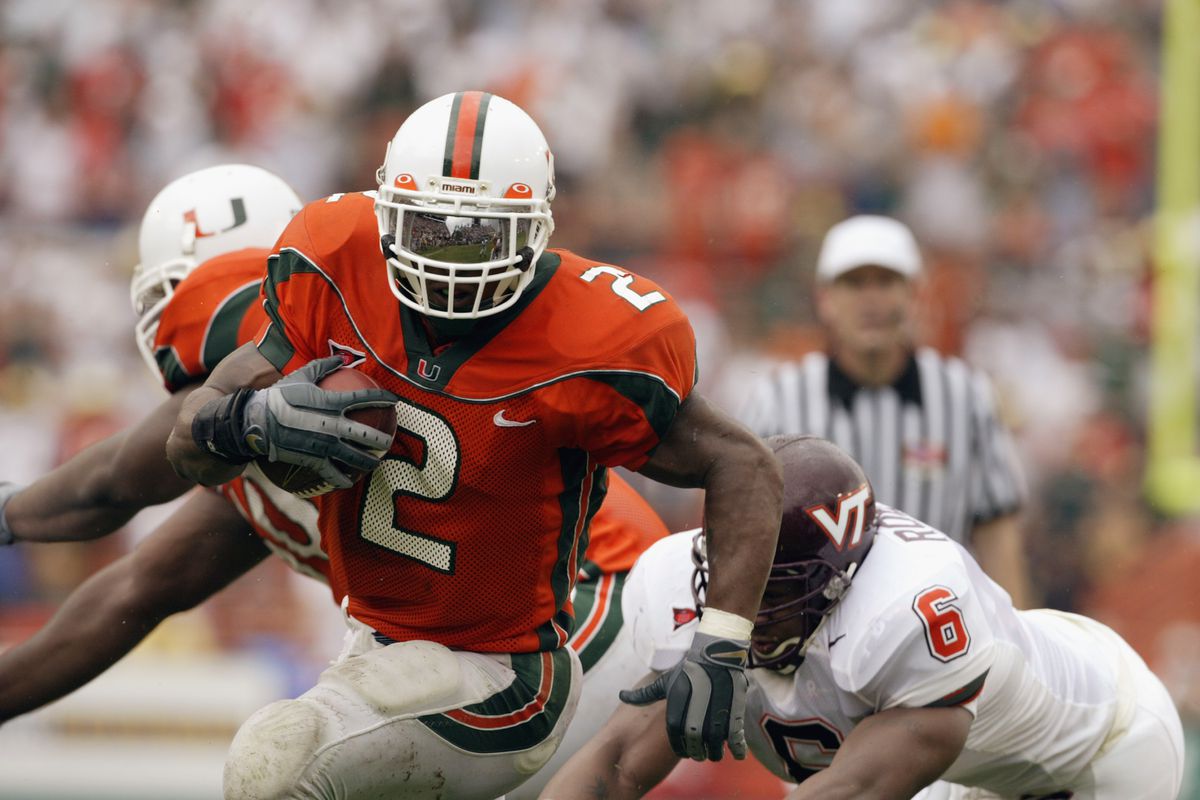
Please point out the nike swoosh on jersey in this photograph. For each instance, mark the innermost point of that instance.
(505, 422)
(835, 641)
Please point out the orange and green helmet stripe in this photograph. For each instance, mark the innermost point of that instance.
(464, 135)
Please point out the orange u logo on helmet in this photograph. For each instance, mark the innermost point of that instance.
(236, 204)
(406, 182)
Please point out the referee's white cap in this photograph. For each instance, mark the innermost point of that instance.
(868, 240)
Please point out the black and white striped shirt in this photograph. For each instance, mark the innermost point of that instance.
(930, 442)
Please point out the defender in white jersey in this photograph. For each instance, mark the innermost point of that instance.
(873, 677)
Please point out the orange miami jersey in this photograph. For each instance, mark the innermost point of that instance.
(213, 311)
(472, 530)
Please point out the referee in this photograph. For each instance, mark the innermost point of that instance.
(923, 426)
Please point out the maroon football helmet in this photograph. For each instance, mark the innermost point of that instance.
(827, 530)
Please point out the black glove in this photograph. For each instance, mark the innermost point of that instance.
(7, 492)
(296, 422)
(706, 698)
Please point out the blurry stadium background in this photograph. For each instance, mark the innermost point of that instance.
(705, 143)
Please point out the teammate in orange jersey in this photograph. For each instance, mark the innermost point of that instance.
(519, 374)
(203, 245)
(228, 214)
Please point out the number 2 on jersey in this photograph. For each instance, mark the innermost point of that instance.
(945, 631)
(432, 480)
(621, 287)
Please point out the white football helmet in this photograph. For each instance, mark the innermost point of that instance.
(464, 205)
(202, 215)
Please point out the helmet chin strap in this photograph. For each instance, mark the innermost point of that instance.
(792, 643)
(781, 648)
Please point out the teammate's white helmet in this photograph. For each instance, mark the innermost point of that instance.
(202, 215)
(464, 205)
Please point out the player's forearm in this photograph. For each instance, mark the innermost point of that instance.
(627, 757)
(827, 786)
(863, 782)
(198, 551)
(83, 500)
(864, 779)
(69, 503)
(99, 489)
(743, 484)
(587, 776)
(891, 755)
(598, 772)
(743, 499)
(37, 520)
(94, 628)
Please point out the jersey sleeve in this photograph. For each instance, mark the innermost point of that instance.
(997, 486)
(211, 313)
(932, 647)
(178, 342)
(293, 296)
(620, 414)
(657, 603)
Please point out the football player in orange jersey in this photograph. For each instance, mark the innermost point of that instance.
(519, 374)
(195, 292)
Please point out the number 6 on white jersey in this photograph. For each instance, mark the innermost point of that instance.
(945, 632)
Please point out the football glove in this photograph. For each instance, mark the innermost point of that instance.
(706, 698)
(7, 492)
(296, 422)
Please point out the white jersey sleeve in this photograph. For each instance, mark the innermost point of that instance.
(920, 637)
(657, 602)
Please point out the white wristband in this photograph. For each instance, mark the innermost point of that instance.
(716, 622)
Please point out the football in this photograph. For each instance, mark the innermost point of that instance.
(306, 483)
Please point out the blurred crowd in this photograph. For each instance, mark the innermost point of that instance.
(704, 143)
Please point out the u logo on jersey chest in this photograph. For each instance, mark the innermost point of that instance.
(429, 372)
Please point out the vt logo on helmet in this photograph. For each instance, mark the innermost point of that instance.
(845, 521)
(464, 206)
